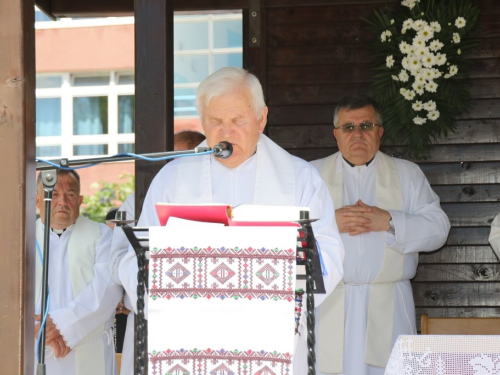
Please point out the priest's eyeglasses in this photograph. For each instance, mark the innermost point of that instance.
(365, 126)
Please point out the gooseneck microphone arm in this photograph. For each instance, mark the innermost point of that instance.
(221, 150)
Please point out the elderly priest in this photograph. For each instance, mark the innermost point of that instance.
(231, 106)
(386, 213)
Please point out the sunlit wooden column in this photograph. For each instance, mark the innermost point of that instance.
(17, 185)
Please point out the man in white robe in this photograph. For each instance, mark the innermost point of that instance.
(386, 213)
(232, 108)
(82, 293)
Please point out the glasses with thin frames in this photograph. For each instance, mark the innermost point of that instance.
(365, 126)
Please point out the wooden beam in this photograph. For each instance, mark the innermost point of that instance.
(102, 8)
(17, 185)
(154, 87)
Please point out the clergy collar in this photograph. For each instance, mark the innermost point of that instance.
(352, 165)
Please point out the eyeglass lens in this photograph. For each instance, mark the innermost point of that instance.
(364, 127)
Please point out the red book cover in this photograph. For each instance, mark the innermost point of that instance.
(211, 213)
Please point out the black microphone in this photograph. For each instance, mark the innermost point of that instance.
(223, 150)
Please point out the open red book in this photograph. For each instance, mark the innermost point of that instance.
(244, 215)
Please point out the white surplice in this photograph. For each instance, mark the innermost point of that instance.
(77, 317)
(494, 237)
(237, 186)
(420, 226)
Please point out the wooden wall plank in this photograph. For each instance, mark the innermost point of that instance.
(17, 186)
(468, 193)
(468, 236)
(457, 294)
(458, 272)
(457, 173)
(459, 254)
(471, 214)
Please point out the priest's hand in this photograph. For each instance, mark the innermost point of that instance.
(53, 336)
(353, 219)
(378, 218)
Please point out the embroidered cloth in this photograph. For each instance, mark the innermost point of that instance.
(221, 300)
(445, 355)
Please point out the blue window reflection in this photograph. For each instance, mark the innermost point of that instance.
(228, 34)
(90, 150)
(48, 117)
(90, 115)
(126, 114)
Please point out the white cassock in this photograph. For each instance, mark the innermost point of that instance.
(92, 310)
(495, 235)
(421, 225)
(121, 241)
(270, 177)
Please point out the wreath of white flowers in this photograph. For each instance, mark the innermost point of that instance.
(421, 69)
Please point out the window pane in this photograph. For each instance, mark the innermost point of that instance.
(90, 150)
(48, 117)
(126, 80)
(91, 81)
(228, 34)
(126, 114)
(190, 68)
(48, 82)
(124, 148)
(184, 102)
(50, 151)
(90, 115)
(228, 59)
(190, 35)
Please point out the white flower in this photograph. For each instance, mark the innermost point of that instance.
(456, 38)
(392, 22)
(430, 105)
(414, 63)
(419, 25)
(436, 73)
(405, 63)
(426, 33)
(427, 74)
(395, 78)
(435, 45)
(460, 22)
(419, 120)
(408, 24)
(453, 70)
(389, 61)
(447, 76)
(407, 94)
(383, 37)
(440, 59)
(409, 3)
(431, 86)
(418, 87)
(428, 60)
(403, 76)
(435, 26)
(459, 51)
(420, 79)
(433, 115)
(418, 42)
(404, 47)
(417, 106)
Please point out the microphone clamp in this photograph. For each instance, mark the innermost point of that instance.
(223, 150)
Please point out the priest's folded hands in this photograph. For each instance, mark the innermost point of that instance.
(362, 218)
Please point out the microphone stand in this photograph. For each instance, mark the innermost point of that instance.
(49, 179)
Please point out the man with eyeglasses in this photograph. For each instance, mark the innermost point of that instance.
(386, 213)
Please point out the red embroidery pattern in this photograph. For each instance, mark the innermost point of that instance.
(222, 273)
(219, 362)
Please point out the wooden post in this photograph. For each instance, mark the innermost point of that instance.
(154, 88)
(17, 185)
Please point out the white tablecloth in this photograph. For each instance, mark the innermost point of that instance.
(445, 355)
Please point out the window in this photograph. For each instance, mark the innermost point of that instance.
(93, 114)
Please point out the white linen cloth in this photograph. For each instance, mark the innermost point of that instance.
(221, 300)
(445, 355)
(253, 182)
(420, 226)
(78, 316)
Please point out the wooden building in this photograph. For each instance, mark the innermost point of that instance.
(307, 54)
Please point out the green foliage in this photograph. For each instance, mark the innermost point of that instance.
(451, 23)
(110, 195)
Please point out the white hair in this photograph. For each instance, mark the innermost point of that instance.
(228, 80)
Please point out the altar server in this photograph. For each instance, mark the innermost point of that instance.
(386, 213)
(82, 293)
(231, 106)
